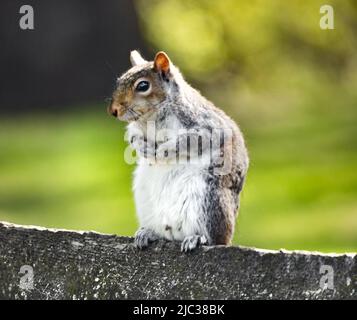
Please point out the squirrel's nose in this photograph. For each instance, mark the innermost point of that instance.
(112, 109)
(114, 112)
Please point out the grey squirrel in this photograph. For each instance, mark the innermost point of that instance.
(181, 190)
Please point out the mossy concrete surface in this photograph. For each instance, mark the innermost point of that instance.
(38, 263)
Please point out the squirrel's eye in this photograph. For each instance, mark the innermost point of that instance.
(143, 86)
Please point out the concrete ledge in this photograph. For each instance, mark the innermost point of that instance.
(38, 263)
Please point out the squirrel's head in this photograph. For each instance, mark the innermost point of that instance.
(143, 88)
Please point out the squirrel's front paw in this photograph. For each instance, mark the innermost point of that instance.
(146, 152)
(143, 237)
(192, 242)
(143, 147)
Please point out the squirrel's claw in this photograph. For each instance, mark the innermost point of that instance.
(192, 242)
(143, 237)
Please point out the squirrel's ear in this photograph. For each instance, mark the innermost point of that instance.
(136, 59)
(162, 62)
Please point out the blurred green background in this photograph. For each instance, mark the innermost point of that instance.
(291, 87)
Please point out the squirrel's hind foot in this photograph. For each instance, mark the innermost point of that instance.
(143, 237)
(192, 242)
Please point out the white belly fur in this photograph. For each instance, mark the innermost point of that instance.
(169, 199)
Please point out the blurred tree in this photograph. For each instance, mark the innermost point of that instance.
(73, 55)
(250, 38)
